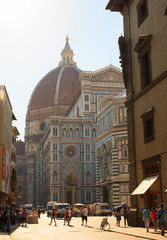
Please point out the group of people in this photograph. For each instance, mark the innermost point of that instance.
(118, 216)
(157, 216)
(67, 217)
(5, 219)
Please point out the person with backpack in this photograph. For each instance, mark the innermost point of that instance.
(161, 218)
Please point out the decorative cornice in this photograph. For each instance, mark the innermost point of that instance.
(93, 76)
(112, 130)
(60, 120)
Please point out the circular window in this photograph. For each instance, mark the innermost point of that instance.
(42, 126)
(70, 151)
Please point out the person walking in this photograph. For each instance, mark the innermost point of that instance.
(39, 212)
(146, 217)
(23, 218)
(4, 217)
(67, 217)
(118, 216)
(161, 218)
(125, 213)
(53, 216)
(84, 215)
(153, 215)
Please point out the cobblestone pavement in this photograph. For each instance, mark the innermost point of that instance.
(44, 231)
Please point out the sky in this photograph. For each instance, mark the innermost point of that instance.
(32, 36)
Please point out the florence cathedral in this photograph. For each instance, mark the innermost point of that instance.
(64, 133)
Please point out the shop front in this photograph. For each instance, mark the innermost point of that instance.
(149, 191)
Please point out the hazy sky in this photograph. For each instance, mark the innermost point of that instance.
(32, 36)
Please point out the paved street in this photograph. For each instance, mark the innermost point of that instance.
(44, 231)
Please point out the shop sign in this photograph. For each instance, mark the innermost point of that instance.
(5, 171)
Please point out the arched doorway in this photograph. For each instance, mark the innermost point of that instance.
(68, 184)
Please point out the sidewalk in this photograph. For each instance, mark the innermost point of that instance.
(5, 235)
(135, 231)
(139, 232)
(94, 222)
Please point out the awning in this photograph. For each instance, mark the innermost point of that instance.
(145, 185)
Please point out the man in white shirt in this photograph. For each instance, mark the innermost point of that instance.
(84, 215)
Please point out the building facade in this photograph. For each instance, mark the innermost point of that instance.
(112, 171)
(144, 58)
(61, 128)
(21, 173)
(8, 135)
(13, 172)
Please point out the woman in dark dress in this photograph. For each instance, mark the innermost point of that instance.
(53, 216)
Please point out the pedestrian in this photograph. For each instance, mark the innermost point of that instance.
(67, 217)
(53, 216)
(84, 215)
(125, 213)
(39, 212)
(8, 223)
(146, 217)
(161, 218)
(4, 218)
(118, 216)
(23, 218)
(153, 215)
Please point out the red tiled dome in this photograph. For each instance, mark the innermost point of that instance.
(58, 87)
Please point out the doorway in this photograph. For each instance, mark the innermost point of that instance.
(69, 197)
(105, 194)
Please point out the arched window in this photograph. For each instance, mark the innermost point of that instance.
(64, 132)
(77, 132)
(87, 157)
(125, 151)
(94, 132)
(88, 176)
(54, 146)
(86, 97)
(54, 131)
(86, 107)
(87, 147)
(126, 168)
(121, 168)
(71, 132)
(67, 59)
(55, 177)
(87, 132)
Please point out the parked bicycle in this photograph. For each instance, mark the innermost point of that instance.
(105, 224)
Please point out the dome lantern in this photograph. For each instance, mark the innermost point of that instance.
(67, 55)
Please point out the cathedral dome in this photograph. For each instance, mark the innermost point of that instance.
(59, 87)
